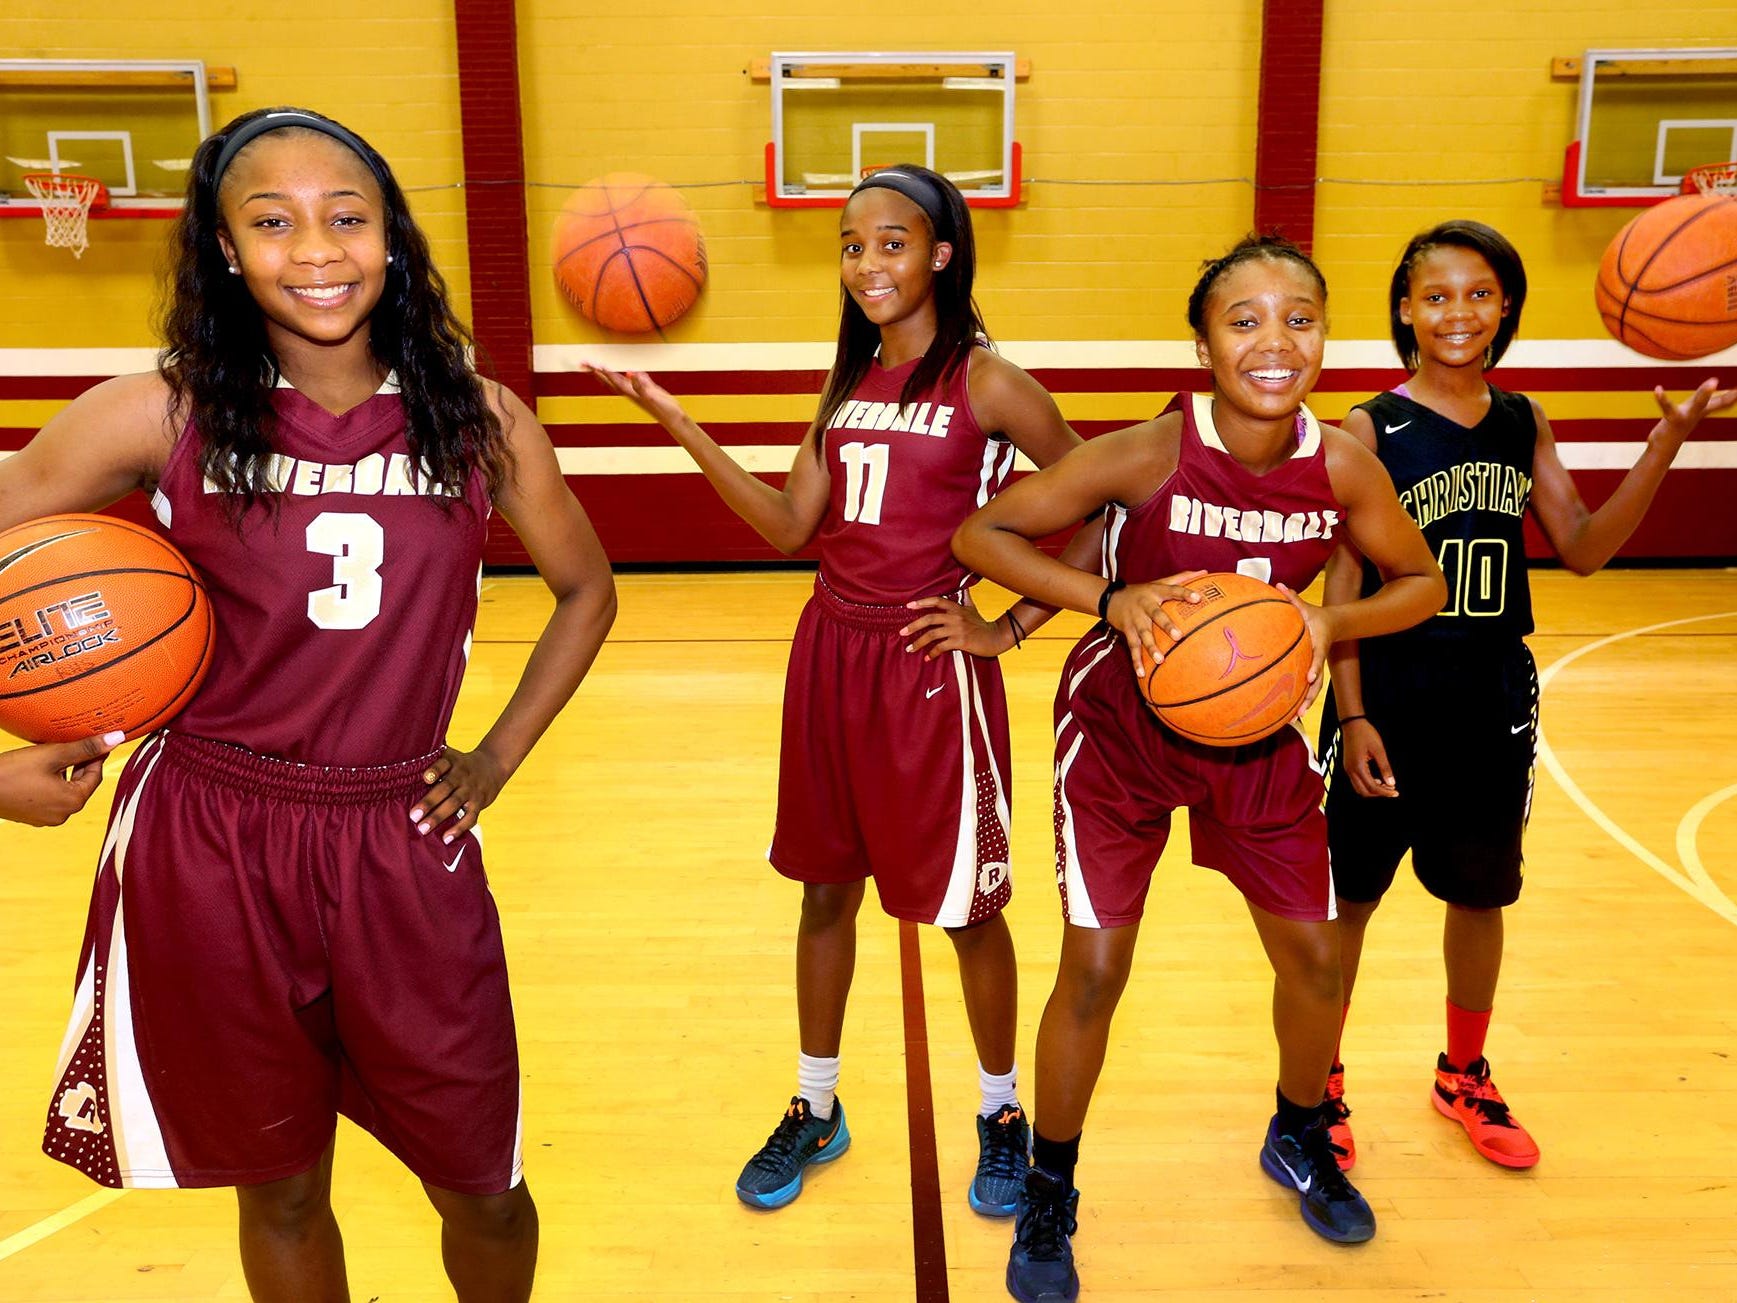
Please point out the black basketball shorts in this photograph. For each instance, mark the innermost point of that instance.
(1460, 727)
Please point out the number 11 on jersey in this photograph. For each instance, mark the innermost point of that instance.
(865, 481)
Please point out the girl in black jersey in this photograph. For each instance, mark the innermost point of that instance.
(1431, 733)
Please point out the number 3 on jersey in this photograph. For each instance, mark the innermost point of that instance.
(357, 545)
(865, 481)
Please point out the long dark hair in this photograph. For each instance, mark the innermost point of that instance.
(1490, 245)
(958, 324)
(218, 360)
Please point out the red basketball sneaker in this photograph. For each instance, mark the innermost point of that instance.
(1339, 1118)
(1471, 1099)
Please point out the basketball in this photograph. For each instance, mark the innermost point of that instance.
(103, 627)
(1667, 286)
(629, 253)
(1240, 670)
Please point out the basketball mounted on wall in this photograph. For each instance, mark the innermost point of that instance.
(1667, 286)
(629, 253)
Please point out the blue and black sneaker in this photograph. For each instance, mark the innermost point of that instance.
(773, 1177)
(1309, 1164)
(1003, 1158)
(1041, 1267)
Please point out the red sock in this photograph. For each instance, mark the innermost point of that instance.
(1466, 1029)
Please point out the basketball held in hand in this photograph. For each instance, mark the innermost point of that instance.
(1667, 285)
(103, 627)
(629, 253)
(1240, 671)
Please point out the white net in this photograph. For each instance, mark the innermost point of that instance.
(66, 201)
(1716, 179)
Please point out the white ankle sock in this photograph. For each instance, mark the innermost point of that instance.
(817, 1082)
(997, 1090)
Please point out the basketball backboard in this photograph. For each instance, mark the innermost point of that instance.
(838, 116)
(1644, 118)
(132, 124)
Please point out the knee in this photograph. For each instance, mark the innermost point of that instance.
(289, 1206)
(1313, 967)
(827, 905)
(508, 1217)
(974, 936)
(1090, 990)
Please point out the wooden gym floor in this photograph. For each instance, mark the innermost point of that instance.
(652, 969)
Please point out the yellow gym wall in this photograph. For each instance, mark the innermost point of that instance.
(1149, 94)
(389, 71)
(1446, 99)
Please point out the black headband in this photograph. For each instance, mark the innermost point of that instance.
(921, 191)
(277, 120)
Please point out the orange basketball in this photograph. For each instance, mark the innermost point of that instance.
(1240, 670)
(103, 626)
(629, 252)
(1668, 284)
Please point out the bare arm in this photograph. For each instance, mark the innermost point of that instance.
(109, 440)
(1584, 539)
(555, 531)
(786, 518)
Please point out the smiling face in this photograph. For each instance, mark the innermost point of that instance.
(888, 259)
(304, 220)
(1455, 306)
(1265, 334)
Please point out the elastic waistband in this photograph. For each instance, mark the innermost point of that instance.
(858, 615)
(248, 771)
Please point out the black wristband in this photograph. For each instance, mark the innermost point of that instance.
(1015, 628)
(1346, 719)
(1110, 590)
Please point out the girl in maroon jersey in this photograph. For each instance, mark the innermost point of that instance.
(1251, 447)
(893, 689)
(1430, 736)
(307, 927)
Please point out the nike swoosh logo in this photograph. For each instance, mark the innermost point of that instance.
(13, 558)
(1395, 429)
(1520, 728)
(1302, 1186)
(453, 867)
(932, 691)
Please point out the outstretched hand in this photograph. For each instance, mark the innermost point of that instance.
(461, 785)
(1677, 421)
(47, 784)
(652, 398)
(1137, 610)
(946, 625)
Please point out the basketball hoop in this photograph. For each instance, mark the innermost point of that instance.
(67, 199)
(1714, 179)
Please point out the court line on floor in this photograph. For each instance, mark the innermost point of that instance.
(928, 1234)
(57, 1222)
(1692, 878)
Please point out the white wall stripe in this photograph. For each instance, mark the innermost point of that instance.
(816, 355)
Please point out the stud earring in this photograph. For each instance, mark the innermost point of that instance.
(234, 270)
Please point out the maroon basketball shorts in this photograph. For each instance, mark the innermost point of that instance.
(892, 766)
(270, 944)
(1253, 811)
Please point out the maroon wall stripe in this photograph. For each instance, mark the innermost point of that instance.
(928, 1239)
(1289, 119)
(494, 188)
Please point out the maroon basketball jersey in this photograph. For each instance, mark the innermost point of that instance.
(1215, 514)
(902, 480)
(344, 603)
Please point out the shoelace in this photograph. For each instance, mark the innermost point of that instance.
(1044, 1226)
(784, 1141)
(1481, 1093)
(1003, 1152)
(1318, 1147)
